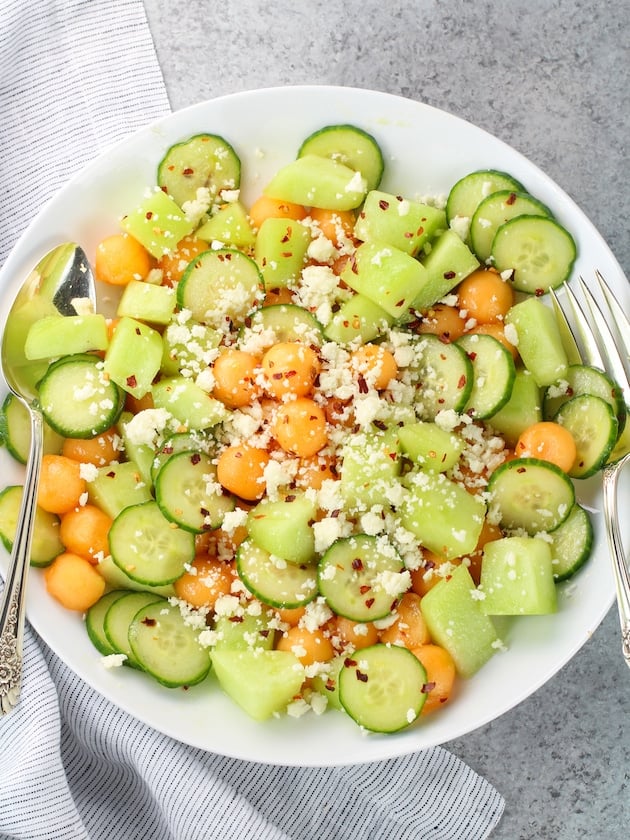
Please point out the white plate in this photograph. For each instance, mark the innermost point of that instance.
(426, 151)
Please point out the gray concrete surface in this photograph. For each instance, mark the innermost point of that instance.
(551, 78)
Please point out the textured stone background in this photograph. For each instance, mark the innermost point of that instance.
(551, 78)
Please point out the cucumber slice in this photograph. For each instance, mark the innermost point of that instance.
(287, 322)
(166, 647)
(205, 160)
(584, 379)
(494, 211)
(349, 145)
(193, 441)
(531, 494)
(571, 544)
(468, 193)
(355, 575)
(443, 374)
(118, 618)
(220, 286)
(593, 425)
(95, 619)
(273, 580)
(15, 431)
(147, 547)
(77, 399)
(46, 544)
(538, 250)
(383, 687)
(188, 494)
(493, 374)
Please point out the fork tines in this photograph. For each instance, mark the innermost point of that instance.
(607, 345)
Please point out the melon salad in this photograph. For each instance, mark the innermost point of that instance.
(325, 441)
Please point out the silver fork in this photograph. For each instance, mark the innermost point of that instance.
(591, 339)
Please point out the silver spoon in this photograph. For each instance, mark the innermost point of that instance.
(61, 283)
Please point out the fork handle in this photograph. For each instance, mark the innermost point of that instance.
(13, 603)
(615, 543)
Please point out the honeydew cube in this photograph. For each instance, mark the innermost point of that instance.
(262, 682)
(134, 356)
(446, 264)
(250, 632)
(280, 251)
(370, 468)
(158, 223)
(58, 335)
(456, 621)
(318, 182)
(188, 403)
(523, 409)
(538, 340)
(397, 221)
(386, 275)
(284, 527)
(147, 302)
(118, 486)
(188, 347)
(230, 225)
(442, 514)
(431, 447)
(358, 317)
(517, 577)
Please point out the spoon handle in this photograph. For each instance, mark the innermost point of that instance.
(12, 606)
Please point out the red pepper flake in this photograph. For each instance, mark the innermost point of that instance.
(277, 376)
(472, 356)
(400, 303)
(448, 275)
(539, 292)
(357, 564)
(420, 231)
(149, 214)
(363, 386)
(408, 234)
(462, 381)
(511, 198)
(349, 663)
(521, 469)
(427, 687)
(287, 254)
(150, 622)
(369, 603)
(138, 331)
(188, 171)
(329, 685)
(384, 205)
(290, 498)
(365, 588)
(195, 458)
(361, 676)
(236, 619)
(111, 474)
(131, 381)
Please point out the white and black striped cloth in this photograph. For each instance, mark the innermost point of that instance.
(75, 75)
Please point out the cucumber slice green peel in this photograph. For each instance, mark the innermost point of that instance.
(383, 687)
(531, 494)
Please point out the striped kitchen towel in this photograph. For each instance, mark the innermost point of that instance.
(75, 76)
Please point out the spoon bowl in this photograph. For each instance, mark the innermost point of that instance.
(61, 283)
